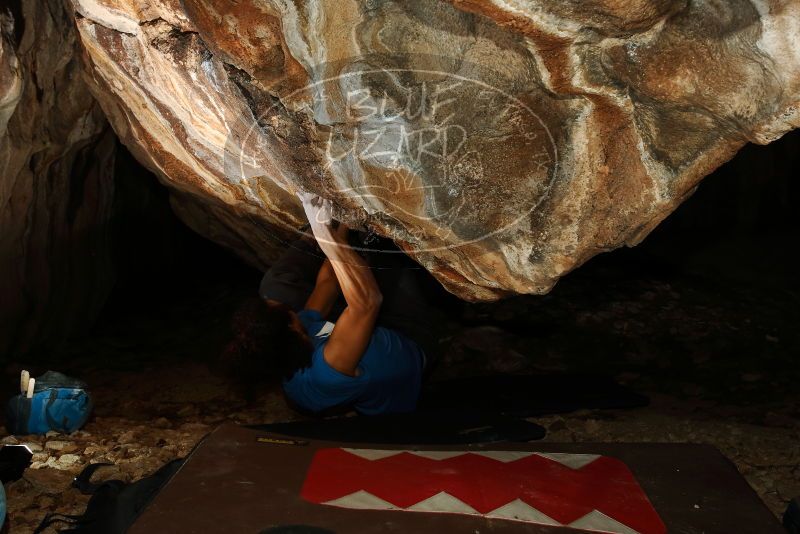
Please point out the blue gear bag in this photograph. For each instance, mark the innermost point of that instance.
(59, 403)
(2, 505)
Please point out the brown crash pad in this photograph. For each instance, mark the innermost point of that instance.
(243, 480)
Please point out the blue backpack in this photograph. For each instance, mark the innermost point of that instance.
(2, 505)
(59, 403)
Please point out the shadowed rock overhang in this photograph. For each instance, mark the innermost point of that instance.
(501, 143)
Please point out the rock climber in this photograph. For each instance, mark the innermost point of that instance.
(342, 330)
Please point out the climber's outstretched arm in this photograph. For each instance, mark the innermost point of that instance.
(326, 290)
(353, 330)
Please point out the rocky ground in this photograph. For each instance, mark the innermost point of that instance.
(718, 361)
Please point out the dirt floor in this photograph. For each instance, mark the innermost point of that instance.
(717, 360)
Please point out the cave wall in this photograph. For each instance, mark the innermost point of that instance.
(501, 146)
(739, 227)
(56, 183)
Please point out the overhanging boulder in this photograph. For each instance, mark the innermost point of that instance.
(501, 144)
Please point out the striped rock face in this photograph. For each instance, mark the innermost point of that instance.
(500, 143)
(582, 491)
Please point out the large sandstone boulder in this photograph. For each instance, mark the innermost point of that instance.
(500, 143)
(56, 187)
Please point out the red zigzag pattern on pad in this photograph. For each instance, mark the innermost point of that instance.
(564, 494)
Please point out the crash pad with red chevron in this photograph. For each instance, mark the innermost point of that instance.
(245, 480)
(586, 491)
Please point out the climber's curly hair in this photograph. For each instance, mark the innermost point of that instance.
(264, 347)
